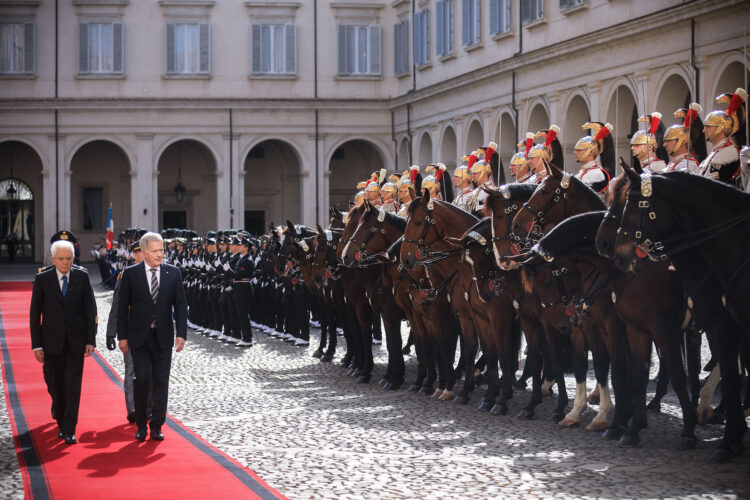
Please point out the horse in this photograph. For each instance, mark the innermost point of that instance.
(658, 223)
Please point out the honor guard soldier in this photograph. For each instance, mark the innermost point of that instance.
(645, 144)
(519, 162)
(242, 274)
(550, 151)
(462, 181)
(388, 193)
(410, 178)
(680, 138)
(372, 189)
(437, 183)
(480, 168)
(721, 127)
(587, 149)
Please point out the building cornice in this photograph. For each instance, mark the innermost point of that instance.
(610, 35)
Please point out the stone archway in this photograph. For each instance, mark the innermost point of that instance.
(100, 177)
(272, 185)
(448, 152)
(538, 120)
(622, 113)
(474, 137)
(424, 157)
(191, 164)
(351, 162)
(730, 79)
(674, 94)
(507, 142)
(403, 155)
(576, 115)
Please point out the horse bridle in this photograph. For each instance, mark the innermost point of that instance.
(423, 251)
(520, 244)
(644, 247)
(561, 193)
(362, 253)
(495, 281)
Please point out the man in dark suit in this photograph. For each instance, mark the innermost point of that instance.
(151, 298)
(63, 331)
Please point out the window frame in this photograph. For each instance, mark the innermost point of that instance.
(473, 24)
(256, 67)
(203, 30)
(353, 31)
(500, 6)
(444, 29)
(28, 56)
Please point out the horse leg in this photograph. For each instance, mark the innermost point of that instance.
(395, 356)
(365, 368)
(580, 369)
(534, 357)
(640, 357)
(662, 379)
(705, 411)
(601, 371)
(421, 352)
(693, 350)
(469, 347)
(453, 336)
(509, 350)
(671, 356)
(618, 350)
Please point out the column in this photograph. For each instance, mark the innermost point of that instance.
(555, 113)
(642, 98)
(143, 206)
(436, 143)
(310, 186)
(223, 181)
(595, 89)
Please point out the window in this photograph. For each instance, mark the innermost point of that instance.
(470, 22)
(531, 10)
(566, 4)
(401, 47)
(444, 28)
(16, 48)
(499, 16)
(188, 48)
(422, 37)
(100, 47)
(93, 208)
(359, 50)
(274, 48)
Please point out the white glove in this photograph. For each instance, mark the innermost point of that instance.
(713, 175)
(226, 266)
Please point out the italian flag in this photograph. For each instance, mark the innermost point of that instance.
(110, 228)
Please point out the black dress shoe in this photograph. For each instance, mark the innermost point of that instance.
(71, 439)
(140, 435)
(156, 435)
(131, 417)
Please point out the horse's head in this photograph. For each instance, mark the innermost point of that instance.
(633, 246)
(477, 248)
(324, 252)
(617, 196)
(546, 198)
(502, 205)
(335, 218)
(376, 231)
(350, 225)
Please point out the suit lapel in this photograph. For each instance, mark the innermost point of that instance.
(164, 276)
(56, 284)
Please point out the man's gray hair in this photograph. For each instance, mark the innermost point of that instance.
(62, 244)
(146, 238)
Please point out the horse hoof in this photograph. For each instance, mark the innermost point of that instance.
(629, 441)
(414, 388)
(437, 394)
(485, 405)
(363, 379)
(687, 443)
(596, 426)
(446, 396)
(720, 456)
(317, 354)
(612, 434)
(526, 415)
(568, 423)
(326, 358)
(499, 409)
(345, 362)
(557, 417)
(427, 390)
(461, 399)
(654, 406)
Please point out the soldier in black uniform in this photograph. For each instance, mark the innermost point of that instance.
(242, 273)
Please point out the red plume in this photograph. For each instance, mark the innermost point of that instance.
(691, 115)
(472, 160)
(439, 173)
(655, 120)
(413, 173)
(551, 135)
(737, 99)
(491, 148)
(604, 132)
(529, 143)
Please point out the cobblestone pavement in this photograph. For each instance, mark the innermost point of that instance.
(311, 432)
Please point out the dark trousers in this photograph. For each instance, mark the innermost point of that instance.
(241, 297)
(63, 374)
(151, 364)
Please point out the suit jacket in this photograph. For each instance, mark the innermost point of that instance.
(54, 318)
(136, 309)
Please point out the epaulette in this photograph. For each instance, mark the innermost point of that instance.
(45, 268)
(80, 268)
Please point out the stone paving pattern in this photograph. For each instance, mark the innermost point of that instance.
(312, 433)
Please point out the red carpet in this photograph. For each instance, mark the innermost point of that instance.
(107, 462)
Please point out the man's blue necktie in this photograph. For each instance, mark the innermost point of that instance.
(65, 285)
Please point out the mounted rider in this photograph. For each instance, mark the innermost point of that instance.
(462, 181)
(481, 169)
(725, 131)
(410, 178)
(548, 152)
(519, 162)
(646, 146)
(685, 141)
(586, 151)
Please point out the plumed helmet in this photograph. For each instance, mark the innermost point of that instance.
(389, 187)
(359, 197)
(431, 183)
(677, 133)
(462, 172)
(548, 151)
(733, 117)
(693, 127)
(647, 136)
(594, 143)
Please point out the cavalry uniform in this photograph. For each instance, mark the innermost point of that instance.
(683, 163)
(461, 201)
(723, 163)
(653, 165)
(475, 201)
(390, 206)
(593, 176)
(404, 210)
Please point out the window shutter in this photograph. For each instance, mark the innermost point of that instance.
(205, 47)
(342, 49)
(28, 47)
(417, 39)
(405, 46)
(426, 35)
(564, 4)
(117, 47)
(477, 23)
(397, 49)
(494, 17)
(170, 48)
(291, 49)
(375, 49)
(83, 47)
(466, 21)
(506, 15)
(440, 25)
(449, 26)
(255, 49)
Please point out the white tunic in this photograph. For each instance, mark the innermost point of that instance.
(683, 163)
